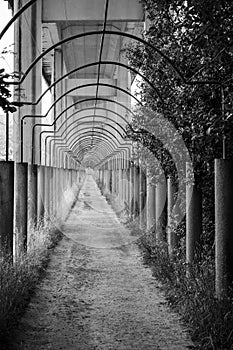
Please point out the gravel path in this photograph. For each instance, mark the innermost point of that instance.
(97, 294)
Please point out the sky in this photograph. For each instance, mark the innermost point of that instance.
(6, 44)
(6, 60)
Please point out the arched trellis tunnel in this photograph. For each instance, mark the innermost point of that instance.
(77, 138)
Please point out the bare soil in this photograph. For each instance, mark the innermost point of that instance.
(97, 294)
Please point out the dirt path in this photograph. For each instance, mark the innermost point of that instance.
(97, 294)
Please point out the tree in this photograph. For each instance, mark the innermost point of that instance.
(5, 93)
(197, 38)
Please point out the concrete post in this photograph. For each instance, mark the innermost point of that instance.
(136, 192)
(150, 204)
(46, 191)
(21, 209)
(161, 212)
(32, 194)
(41, 192)
(171, 234)
(6, 209)
(223, 226)
(193, 218)
(131, 189)
(142, 197)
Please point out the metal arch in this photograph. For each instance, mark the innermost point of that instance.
(112, 32)
(93, 99)
(95, 154)
(125, 146)
(87, 122)
(98, 138)
(87, 66)
(88, 85)
(14, 18)
(101, 135)
(90, 121)
(65, 110)
(64, 147)
(105, 144)
(69, 151)
(55, 136)
(114, 150)
(103, 108)
(46, 141)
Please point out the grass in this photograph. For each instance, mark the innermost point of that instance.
(192, 295)
(18, 280)
(189, 291)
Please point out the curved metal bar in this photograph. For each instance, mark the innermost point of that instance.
(70, 146)
(87, 108)
(93, 99)
(91, 122)
(115, 63)
(117, 33)
(50, 141)
(125, 145)
(88, 85)
(96, 136)
(66, 109)
(14, 18)
(98, 116)
(81, 131)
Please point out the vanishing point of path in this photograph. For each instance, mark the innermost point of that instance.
(97, 294)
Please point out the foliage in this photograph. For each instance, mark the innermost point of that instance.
(196, 37)
(5, 94)
(191, 294)
(18, 280)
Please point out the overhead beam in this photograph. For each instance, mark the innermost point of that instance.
(89, 10)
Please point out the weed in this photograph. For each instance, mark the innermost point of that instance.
(18, 280)
(190, 290)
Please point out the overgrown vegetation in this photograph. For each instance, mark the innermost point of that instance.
(196, 37)
(18, 280)
(191, 293)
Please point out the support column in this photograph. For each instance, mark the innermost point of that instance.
(131, 189)
(223, 226)
(142, 197)
(6, 209)
(32, 195)
(41, 192)
(161, 212)
(136, 192)
(171, 234)
(193, 218)
(21, 209)
(150, 203)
